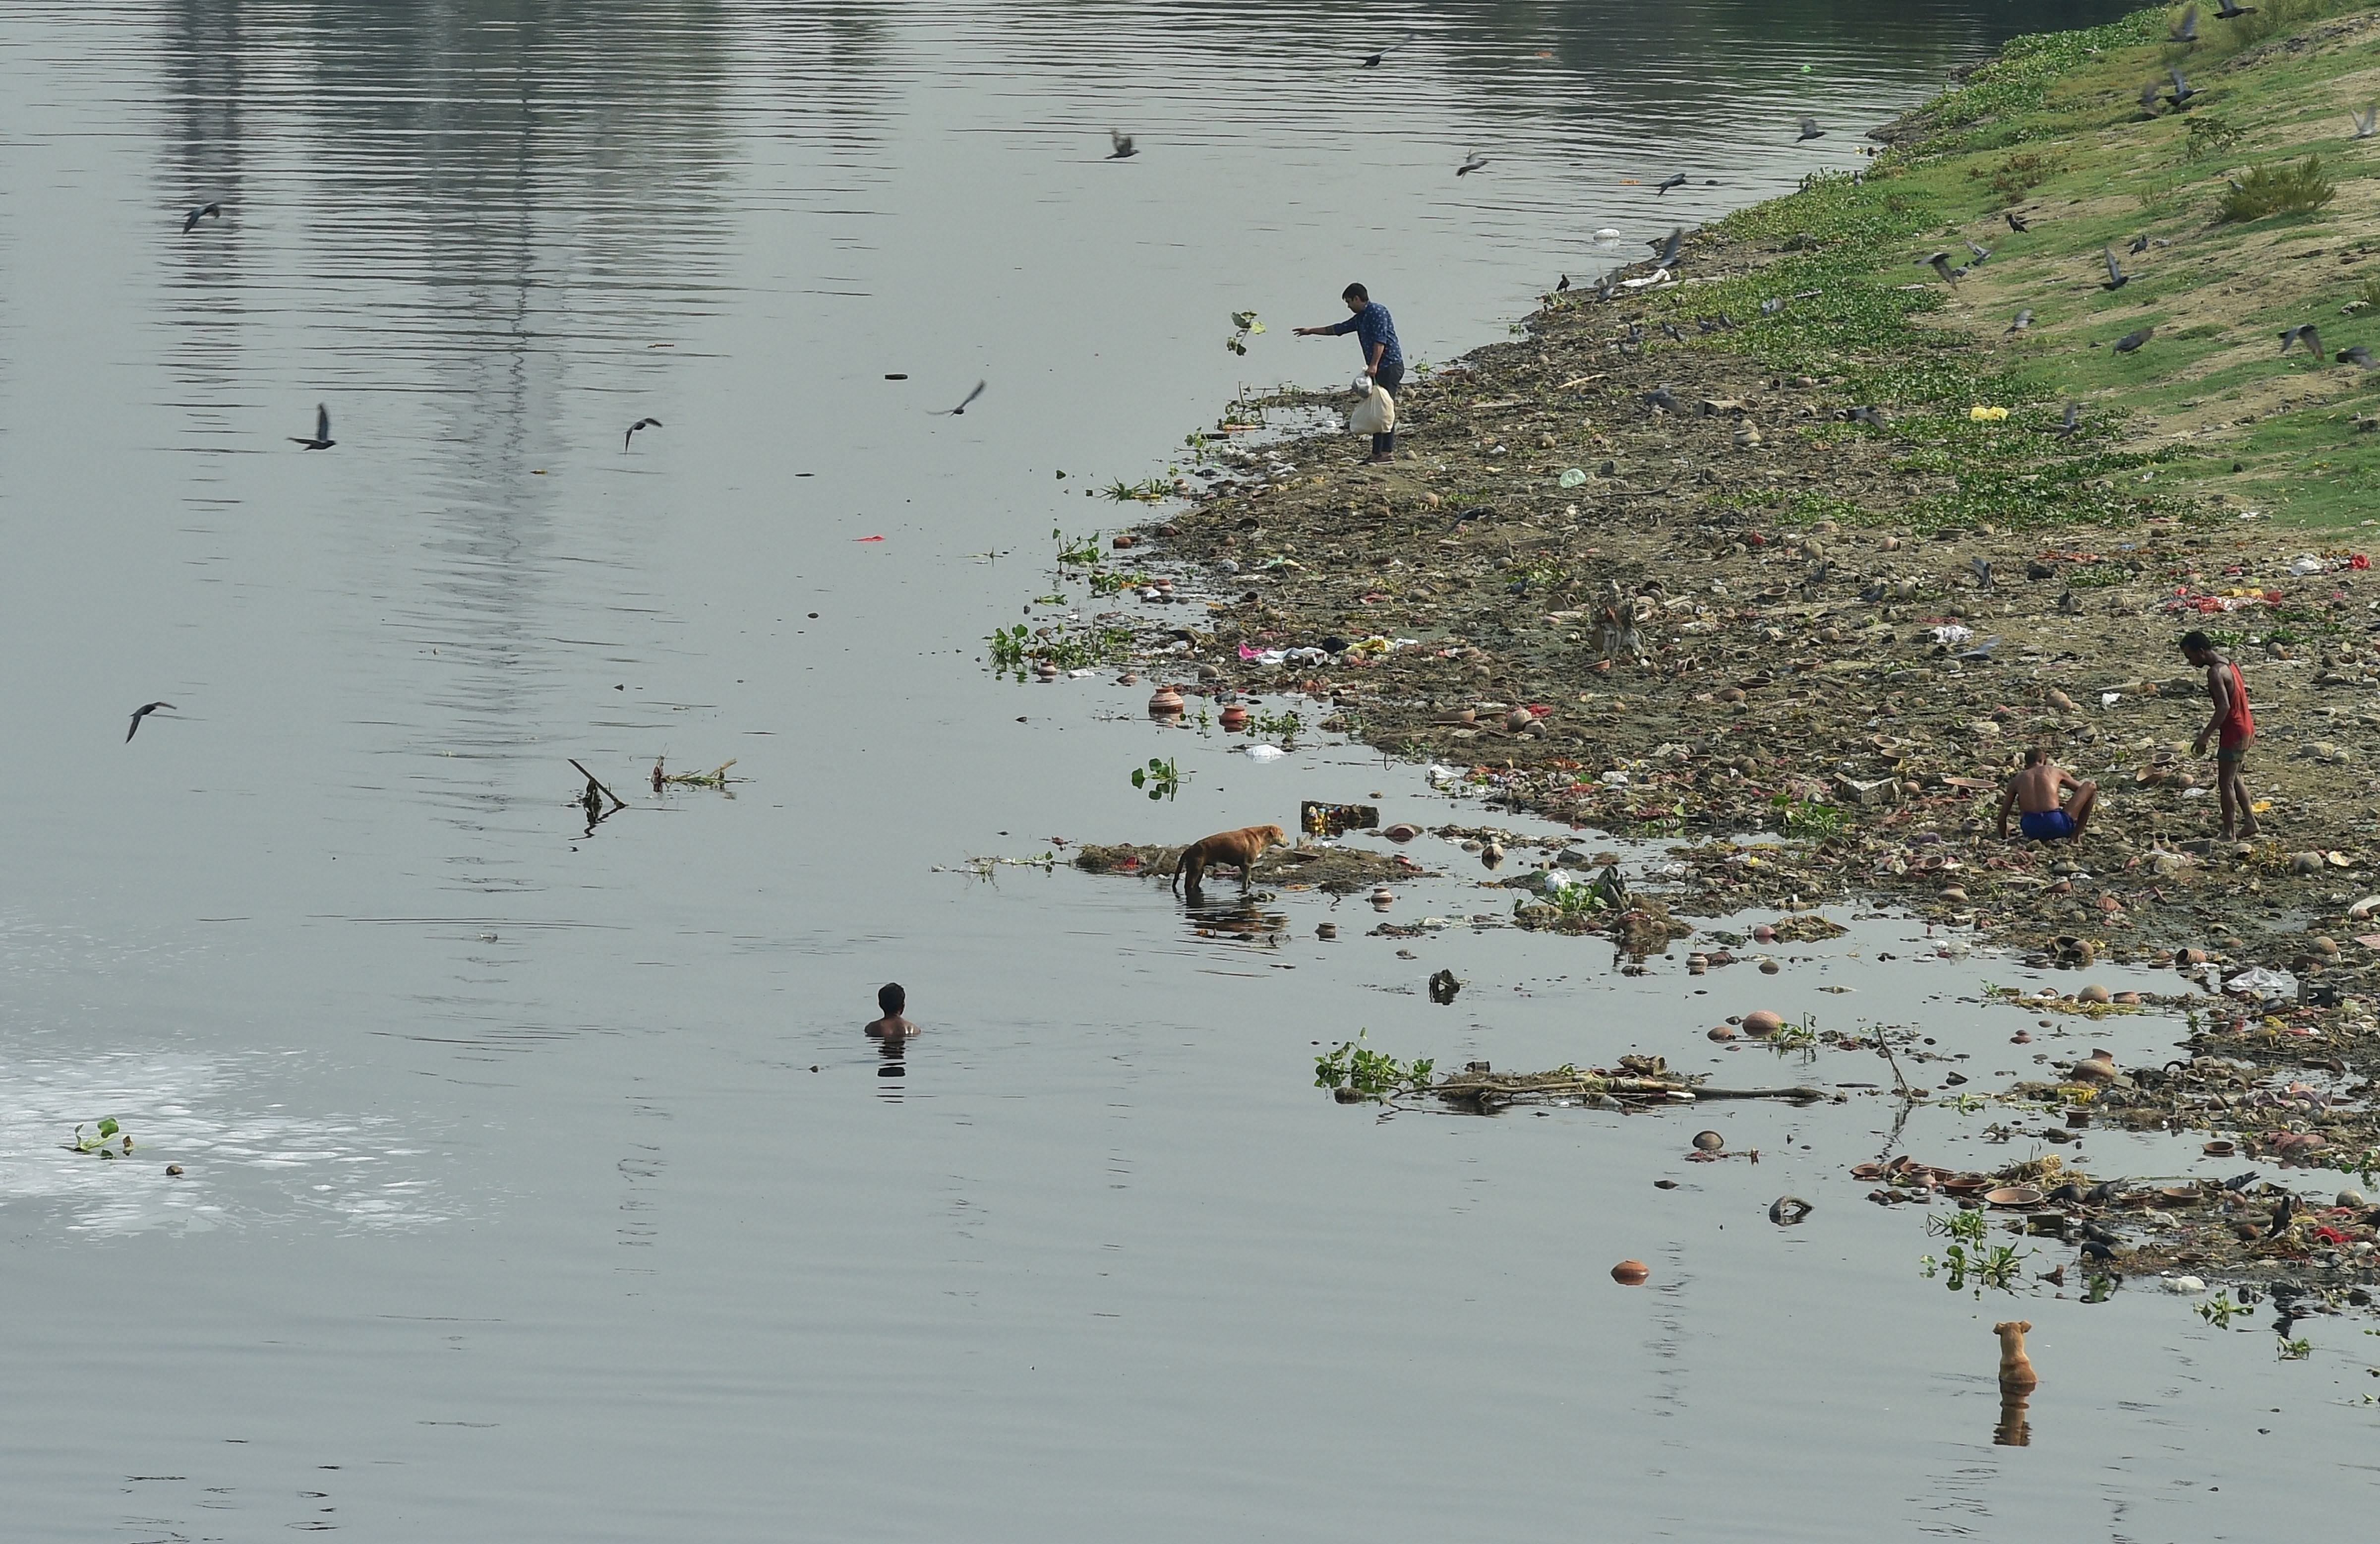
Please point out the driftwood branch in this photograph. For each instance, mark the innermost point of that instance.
(1492, 1088)
(596, 782)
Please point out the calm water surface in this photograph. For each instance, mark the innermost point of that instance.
(539, 1183)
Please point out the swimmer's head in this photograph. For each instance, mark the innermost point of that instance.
(892, 999)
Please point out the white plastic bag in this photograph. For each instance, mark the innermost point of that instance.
(1376, 414)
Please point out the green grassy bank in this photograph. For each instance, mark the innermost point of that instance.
(2256, 200)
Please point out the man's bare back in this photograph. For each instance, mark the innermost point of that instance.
(2038, 792)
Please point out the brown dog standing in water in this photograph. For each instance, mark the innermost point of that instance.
(1241, 848)
(2016, 1368)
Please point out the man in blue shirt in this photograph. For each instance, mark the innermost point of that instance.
(1383, 360)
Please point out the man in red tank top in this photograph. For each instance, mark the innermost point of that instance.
(2232, 728)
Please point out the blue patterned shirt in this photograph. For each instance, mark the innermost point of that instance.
(1371, 325)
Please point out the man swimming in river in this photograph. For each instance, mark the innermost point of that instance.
(2232, 727)
(2038, 792)
(892, 998)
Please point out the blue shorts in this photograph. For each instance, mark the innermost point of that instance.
(2049, 825)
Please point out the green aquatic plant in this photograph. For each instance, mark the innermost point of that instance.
(2220, 1310)
(1356, 1065)
(1082, 552)
(1966, 1226)
(1155, 490)
(2295, 1351)
(107, 1139)
(1161, 777)
(1809, 819)
(1992, 1266)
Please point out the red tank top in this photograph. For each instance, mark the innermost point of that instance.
(2237, 723)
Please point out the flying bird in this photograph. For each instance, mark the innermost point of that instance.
(2131, 341)
(1940, 262)
(1670, 251)
(1809, 131)
(1981, 253)
(1871, 416)
(2023, 319)
(2188, 31)
(2071, 421)
(2226, 11)
(2182, 89)
(2367, 122)
(140, 713)
(1603, 290)
(2117, 277)
(1471, 165)
(2149, 96)
(2017, 222)
(963, 407)
(191, 219)
(641, 423)
(2303, 333)
(2357, 355)
(1372, 61)
(1981, 569)
(1122, 143)
(322, 439)
(1677, 181)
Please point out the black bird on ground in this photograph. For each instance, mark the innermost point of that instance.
(2367, 122)
(2283, 1213)
(140, 713)
(1372, 61)
(2068, 605)
(1122, 143)
(2023, 319)
(2139, 244)
(962, 407)
(1472, 164)
(2131, 341)
(2226, 11)
(2017, 222)
(641, 423)
(1660, 397)
(1564, 285)
(2303, 333)
(1635, 333)
(1675, 335)
(2182, 89)
(2117, 277)
(2241, 1182)
(322, 439)
(191, 219)
(2357, 355)
(1677, 181)
(1809, 131)
(2187, 30)
(1871, 416)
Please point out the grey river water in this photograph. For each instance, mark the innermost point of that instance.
(539, 1183)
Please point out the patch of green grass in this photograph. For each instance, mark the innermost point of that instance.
(1356, 1065)
(2268, 190)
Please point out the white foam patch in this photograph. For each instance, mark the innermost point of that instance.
(241, 1168)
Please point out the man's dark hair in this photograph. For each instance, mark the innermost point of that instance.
(2036, 757)
(2193, 641)
(1356, 292)
(891, 998)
